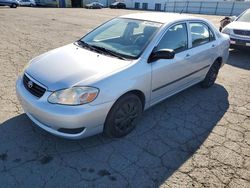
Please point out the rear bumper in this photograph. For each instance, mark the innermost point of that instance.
(53, 118)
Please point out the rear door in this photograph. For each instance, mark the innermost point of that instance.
(203, 48)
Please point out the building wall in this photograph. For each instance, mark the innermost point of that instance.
(49, 3)
(151, 3)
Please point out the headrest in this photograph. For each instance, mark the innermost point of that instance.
(197, 29)
(148, 30)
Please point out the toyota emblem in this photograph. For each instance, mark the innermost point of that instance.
(30, 84)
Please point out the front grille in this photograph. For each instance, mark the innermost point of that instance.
(71, 131)
(241, 32)
(32, 87)
(240, 40)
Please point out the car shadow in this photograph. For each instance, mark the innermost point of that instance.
(167, 136)
(239, 58)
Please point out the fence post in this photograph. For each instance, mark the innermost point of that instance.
(187, 7)
(200, 7)
(216, 8)
(232, 9)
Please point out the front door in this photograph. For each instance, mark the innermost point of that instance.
(169, 75)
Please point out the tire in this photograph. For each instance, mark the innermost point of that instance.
(123, 116)
(13, 6)
(211, 75)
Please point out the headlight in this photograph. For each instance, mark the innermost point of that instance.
(74, 96)
(226, 31)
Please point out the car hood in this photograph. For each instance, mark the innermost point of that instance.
(239, 25)
(69, 65)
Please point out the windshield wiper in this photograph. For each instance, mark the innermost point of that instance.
(84, 44)
(100, 49)
(110, 52)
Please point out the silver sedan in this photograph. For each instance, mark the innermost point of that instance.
(104, 81)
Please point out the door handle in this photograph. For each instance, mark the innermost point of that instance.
(213, 45)
(187, 56)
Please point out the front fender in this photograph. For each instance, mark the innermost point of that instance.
(136, 77)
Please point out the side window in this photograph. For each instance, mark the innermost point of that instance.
(212, 36)
(158, 6)
(137, 5)
(175, 38)
(200, 34)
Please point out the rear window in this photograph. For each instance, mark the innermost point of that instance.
(200, 34)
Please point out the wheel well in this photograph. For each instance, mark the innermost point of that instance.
(219, 61)
(139, 94)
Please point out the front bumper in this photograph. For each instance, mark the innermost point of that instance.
(53, 118)
(239, 41)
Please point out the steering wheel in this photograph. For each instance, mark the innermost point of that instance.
(140, 37)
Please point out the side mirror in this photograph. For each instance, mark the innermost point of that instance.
(161, 54)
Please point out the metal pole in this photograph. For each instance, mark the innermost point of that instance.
(232, 9)
(216, 8)
(200, 7)
(187, 6)
(174, 5)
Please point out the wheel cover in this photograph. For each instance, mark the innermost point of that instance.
(126, 116)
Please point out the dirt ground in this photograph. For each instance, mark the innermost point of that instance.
(198, 138)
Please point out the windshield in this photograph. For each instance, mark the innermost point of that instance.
(245, 17)
(125, 37)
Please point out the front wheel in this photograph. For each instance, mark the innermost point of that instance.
(211, 75)
(123, 116)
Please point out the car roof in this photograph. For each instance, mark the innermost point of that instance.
(161, 17)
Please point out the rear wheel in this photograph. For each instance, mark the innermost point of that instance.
(123, 116)
(13, 5)
(211, 75)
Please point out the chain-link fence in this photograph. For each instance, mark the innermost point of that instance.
(193, 6)
(205, 7)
